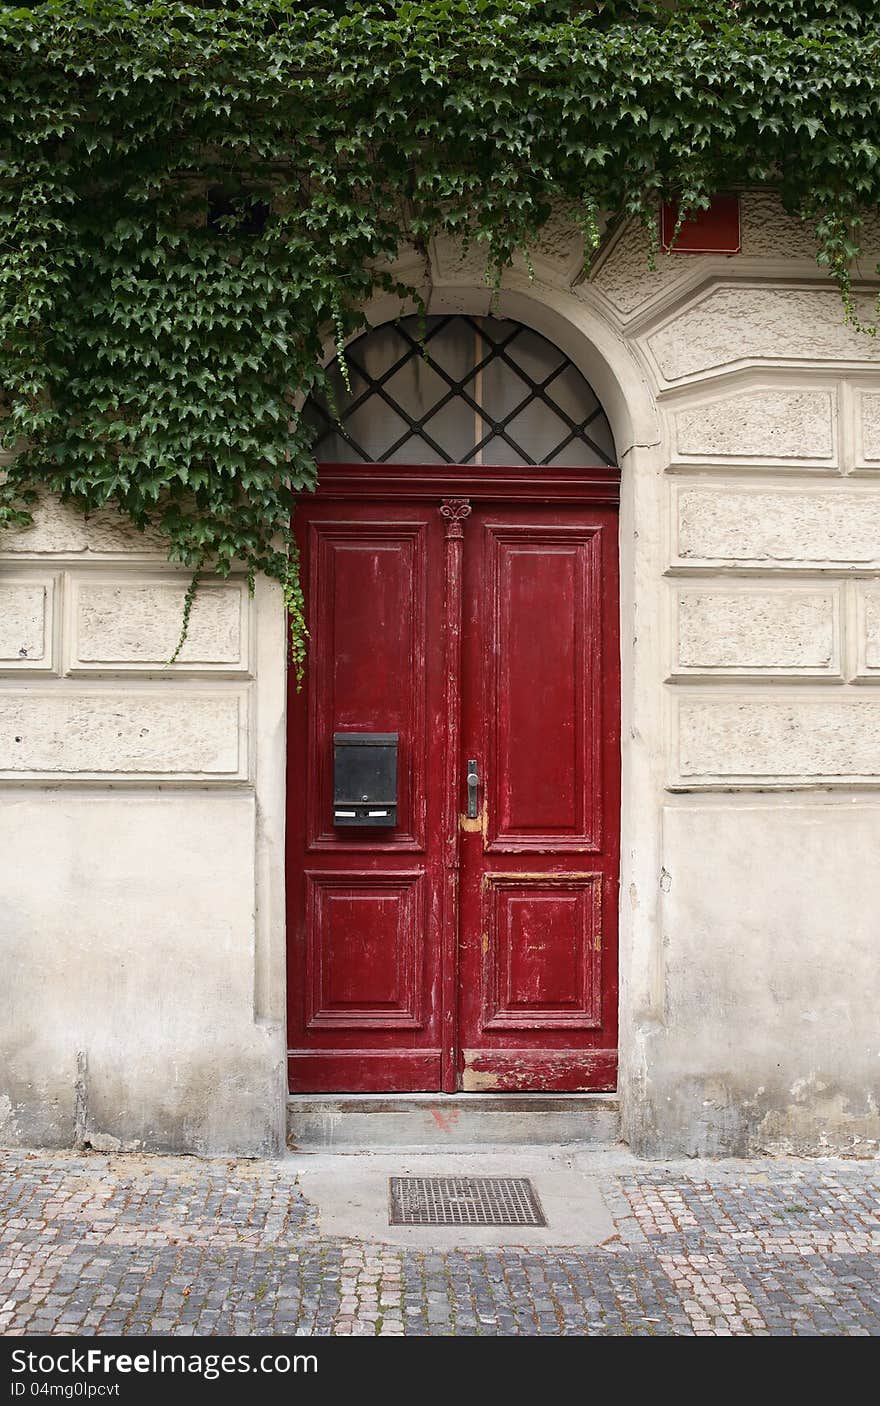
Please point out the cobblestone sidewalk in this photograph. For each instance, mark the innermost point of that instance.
(94, 1244)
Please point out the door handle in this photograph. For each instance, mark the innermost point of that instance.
(473, 783)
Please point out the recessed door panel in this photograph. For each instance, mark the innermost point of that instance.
(541, 625)
(364, 951)
(542, 952)
(368, 590)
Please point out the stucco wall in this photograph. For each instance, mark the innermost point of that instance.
(141, 807)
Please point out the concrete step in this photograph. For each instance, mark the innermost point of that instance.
(348, 1122)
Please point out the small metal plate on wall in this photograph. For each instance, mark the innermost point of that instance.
(463, 1201)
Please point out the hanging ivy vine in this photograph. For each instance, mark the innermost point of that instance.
(191, 195)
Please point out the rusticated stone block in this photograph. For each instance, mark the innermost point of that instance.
(136, 623)
(26, 626)
(765, 324)
(625, 275)
(768, 231)
(786, 527)
(61, 530)
(764, 631)
(869, 631)
(761, 424)
(135, 734)
(872, 637)
(791, 740)
(870, 427)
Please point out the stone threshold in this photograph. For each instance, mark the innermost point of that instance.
(349, 1122)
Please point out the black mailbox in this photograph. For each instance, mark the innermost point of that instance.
(365, 778)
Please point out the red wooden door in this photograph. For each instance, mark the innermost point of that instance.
(363, 905)
(451, 952)
(539, 867)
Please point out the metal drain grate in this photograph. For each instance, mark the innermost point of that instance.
(463, 1201)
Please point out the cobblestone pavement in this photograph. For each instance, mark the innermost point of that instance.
(91, 1244)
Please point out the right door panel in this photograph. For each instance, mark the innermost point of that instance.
(539, 877)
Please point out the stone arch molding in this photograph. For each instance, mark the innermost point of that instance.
(571, 323)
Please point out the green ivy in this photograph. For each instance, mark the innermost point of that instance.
(191, 195)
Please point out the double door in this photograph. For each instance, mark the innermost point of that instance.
(472, 944)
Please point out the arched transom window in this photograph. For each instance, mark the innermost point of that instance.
(459, 390)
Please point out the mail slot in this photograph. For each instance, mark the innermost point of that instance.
(365, 778)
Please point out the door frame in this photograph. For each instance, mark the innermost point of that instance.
(453, 489)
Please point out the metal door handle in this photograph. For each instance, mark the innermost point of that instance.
(473, 782)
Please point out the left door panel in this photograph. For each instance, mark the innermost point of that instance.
(363, 904)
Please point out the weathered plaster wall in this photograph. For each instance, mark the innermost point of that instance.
(134, 952)
(770, 926)
(141, 807)
(143, 994)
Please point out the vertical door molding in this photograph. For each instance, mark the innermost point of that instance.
(454, 511)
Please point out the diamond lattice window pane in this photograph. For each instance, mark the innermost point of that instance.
(502, 390)
(571, 393)
(458, 427)
(336, 450)
(379, 350)
(453, 344)
(534, 355)
(416, 451)
(375, 427)
(496, 329)
(416, 388)
(538, 430)
(339, 394)
(499, 452)
(597, 436)
(575, 455)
